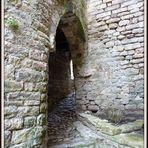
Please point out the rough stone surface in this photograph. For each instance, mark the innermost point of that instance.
(106, 44)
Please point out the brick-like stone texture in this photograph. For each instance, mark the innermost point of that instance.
(30, 32)
(109, 72)
(115, 57)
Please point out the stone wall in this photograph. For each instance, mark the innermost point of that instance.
(115, 60)
(30, 29)
(108, 70)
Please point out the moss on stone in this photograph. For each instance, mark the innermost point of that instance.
(129, 127)
(130, 139)
(78, 62)
(43, 107)
(12, 23)
(81, 32)
(103, 125)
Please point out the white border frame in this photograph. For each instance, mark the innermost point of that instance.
(2, 73)
(145, 73)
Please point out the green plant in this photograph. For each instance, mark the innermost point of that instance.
(12, 23)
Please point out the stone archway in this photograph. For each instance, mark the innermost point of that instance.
(70, 46)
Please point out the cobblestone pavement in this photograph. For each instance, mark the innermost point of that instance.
(61, 120)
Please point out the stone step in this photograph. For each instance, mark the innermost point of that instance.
(111, 129)
(122, 134)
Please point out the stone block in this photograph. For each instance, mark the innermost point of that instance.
(9, 110)
(24, 135)
(137, 14)
(101, 6)
(93, 108)
(100, 23)
(13, 102)
(113, 20)
(42, 87)
(112, 7)
(119, 48)
(41, 120)
(141, 65)
(28, 110)
(137, 61)
(124, 62)
(134, 6)
(102, 28)
(35, 54)
(44, 97)
(124, 53)
(12, 85)
(124, 22)
(39, 66)
(13, 123)
(129, 57)
(29, 75)
(128, 3)
(130, 52)
(9, 71)
(31, 102)
(29, 86)
(140, 106)
(138, 30)
(7, 138)
(131, 107)
(134, 26)
(119, 29)
(119, 10)
(108, 13)
(24, 96)
(137, 56)
(132, 71)
(127, 33)
(107, 32)
(117, 1)
(43, 107)
(110, 44)
(116, 33)
(27, 63)
(132, 46)
(141, 18)
(30, 121)
(113, 25)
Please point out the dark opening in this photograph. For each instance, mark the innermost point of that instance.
(61, 41)
(61, 94)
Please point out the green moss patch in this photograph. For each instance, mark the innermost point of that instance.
(12, 23)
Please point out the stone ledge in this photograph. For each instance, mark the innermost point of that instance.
(122, 134)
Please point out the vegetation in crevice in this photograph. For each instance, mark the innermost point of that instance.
(114, 115)
(13, 24)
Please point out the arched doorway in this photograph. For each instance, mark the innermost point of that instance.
(64, 66)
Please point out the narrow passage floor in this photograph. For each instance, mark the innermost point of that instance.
(83, 130)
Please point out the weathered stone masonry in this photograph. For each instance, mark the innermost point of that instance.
(116, 55)
(108, 56)
(30, 31)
